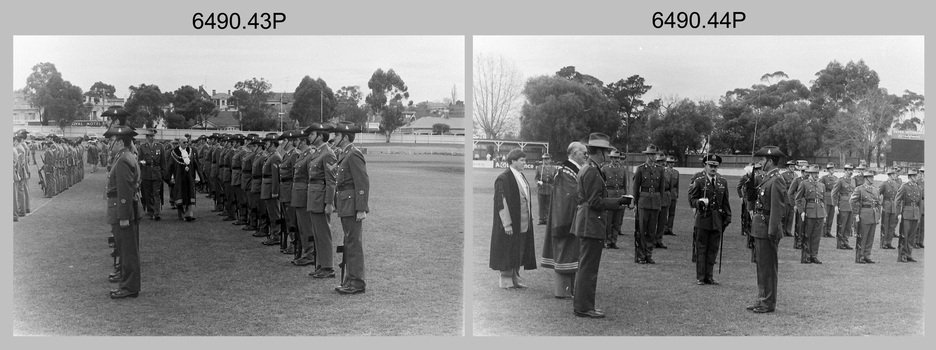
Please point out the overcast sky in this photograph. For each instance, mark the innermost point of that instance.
(705, 67)
(429, 65)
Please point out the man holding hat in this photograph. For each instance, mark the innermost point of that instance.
(810, 199)
(124, 213)
(321, 196)
(590, 224)
(841, 193)
(561, 246)
(828, 181)
(151, 157)
(888, 209)
(673, 192)
(352, 191)
(616, 182)
(766, 228)
(909, 202)
(866, 202)
(544, 181)
(648, 183)
(709, 196)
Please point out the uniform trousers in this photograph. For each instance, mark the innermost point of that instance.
(788, 221)
(670, 216)
(323, 240)
(646, 229)
(127, 242)
(812, 234)
(544, 200)
(917, 241)
(50, 184)
(289, 215)
(241, 203)
(306, 233)
(706, 252)
(908, 232)
(271, 207)
(888, 224)
(766, 272)
(149, 191)
(662, 220)
(230, 200)
(843, 231)
(864, 240)
(21, 206)
(614, 221)
(259, 208)
(586, 279)
(353, 252)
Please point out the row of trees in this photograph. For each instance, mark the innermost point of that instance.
(843, 112)
(313, 101)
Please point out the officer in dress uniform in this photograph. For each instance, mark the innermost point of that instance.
(289, 140)
(616, 175)
(866, 203)
(828, 181)
(665, 201)
(888, 209)
(841, 193)
(352, 191)
(269, 189)
(648, 183)
(124, 213)
(321, 198)
(909, 200)
(545, 174)
(767, 227)
(810, 199)
(674, 194)
(709, 196)
(152, 157)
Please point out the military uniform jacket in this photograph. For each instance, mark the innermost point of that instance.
(352, 183)
(286, 175)
(546, 174)
(841, 193)
(648, 183)
(247, 170)
(256, 180)
(665, 195)
(866, 200)
(321, 179)
(810, 198)
(909, 200)
(593, 203)
(794, 186)
(269, 186)
(717, 214)
(828, 181)
(236, 166)
(300, 184)
(123, 201)
(770, 206)
(214, 169)
(224, 164)
(151, 157)
(674, 184)
(888, 193)
(615, 179)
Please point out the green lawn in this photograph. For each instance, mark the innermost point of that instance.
(210, 278)
(838, 298)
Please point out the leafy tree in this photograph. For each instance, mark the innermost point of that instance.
(313, 101)
(628, 94)
(570, 73)
(839, 87)
(188, 102)
(559, 111)
(176, 121)
(388, 91)
(146, 105)
(55, 97)
(257, 119)
(747, 113)
(864, 126)
(684, 126)
(440, 128)
(775, 75)
(249, 97)
(349, 105)
(911, 103)
(498, 86)
(100, 91)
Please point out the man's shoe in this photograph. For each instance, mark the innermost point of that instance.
(259, 234)
(710, 281)
(228, 218)
(902, 260)
(650, 261)
(868, 261)
(611, 246)
(659, 245)
(700, 282)
(349, 290)
(323, 273)
(289, 250)
(123, 293)
(862, 261)
(815, 261)
(889, 247)
(806, 261)
(157, 218)
(302, 262)
(762, 310)
(669, 233)
(589, 313)
(909, 259)
(752, 307)
(641, 261)
(238, 222)
(114, 278)
(248, 228)
(271, 241)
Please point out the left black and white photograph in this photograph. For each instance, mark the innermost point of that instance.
(238, 185)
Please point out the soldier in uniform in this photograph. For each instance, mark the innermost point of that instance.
(791, 191)
(908, 200)
(841, 193)
(865, 201)
(93, 154)
(788, 175)
(709, 196)
(246, 177)
(48, 168)
(352, 191)
(544, 178)
(810, 199)
(321, 195)
(695, 231)
(674, 194)
(304, 250)
(256, 183)
(888, 209)
(857, 178)
(152, 157)
(269, 189)
(589, 225)
(289, 140)
(767, 228)
(828, 181)
(648, 183)
(124, 213)
(921, 180)
(239, 198)
(560, 246)
(226, 175)
(616, 175)
(665, 201)
(22, 173)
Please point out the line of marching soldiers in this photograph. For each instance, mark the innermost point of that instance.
(62, 167)
(853, 202)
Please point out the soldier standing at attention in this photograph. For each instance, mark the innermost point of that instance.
(888, 209)
(616, 182)
(909, 199)
(545, 173)
(921, 180)
(674, 194)
(841, 193)
(304, 250)
(238, 200)
(709, 196)
(22, 173)
(152, 158)
(828, 181)
(124, 213)
(352, 191)
(767, 229)
(788, 175)
(665, 200)
(866, 202)
(648, 183)
(321, 195)
(256, 182)
(289, 140)
(797, 218)
(810, 202)
(269, 189)
(246, 177)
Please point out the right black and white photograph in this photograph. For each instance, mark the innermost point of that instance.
(698, 186)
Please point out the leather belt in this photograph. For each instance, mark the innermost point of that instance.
(912, 204)
(867, 206)
(342, 188)
(648, 189)
(812, 201)
(285, 179)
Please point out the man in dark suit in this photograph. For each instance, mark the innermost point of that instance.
(709, 196)
(124, 213)
(512, 231)
(767, 227)
(352, 190)
(590, 223)
(544, 183)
